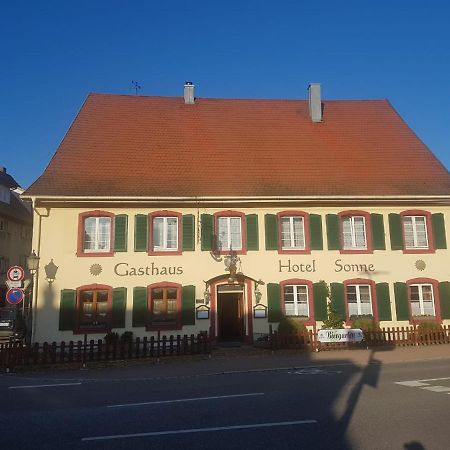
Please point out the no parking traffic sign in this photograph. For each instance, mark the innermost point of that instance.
(14, 296)
(15, 273)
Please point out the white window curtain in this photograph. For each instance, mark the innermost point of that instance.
(296, 300)
(415, 232)
(359, 300)
(165, 233)
(292, 233)
(97, 234)
(354, 232)
(230, 233)
(422, 300)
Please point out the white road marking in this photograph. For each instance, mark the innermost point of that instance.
(43, 385)
(161, 402)
(437, 388)
(415, 383)
(314, 371)
(200, 430)
(436, 379)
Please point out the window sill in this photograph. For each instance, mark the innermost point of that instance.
(165, 252)
(91, 330)
(95, 254)
(285, 251)
(354, 251)
(163, 326)
(417, 251)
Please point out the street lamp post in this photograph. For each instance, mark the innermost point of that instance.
(33, 267)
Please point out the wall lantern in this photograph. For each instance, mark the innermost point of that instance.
(50, 271)
(33, 263)
(206, 294)
(258, 293)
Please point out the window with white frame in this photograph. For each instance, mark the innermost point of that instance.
(359, 300)
(165, 233)
(354, 232)
(292, 233)
(97, 234)
(415, 231)
(229, 233)
(422, 300)
(296, 300)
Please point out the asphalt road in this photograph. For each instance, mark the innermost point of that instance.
(338, 405)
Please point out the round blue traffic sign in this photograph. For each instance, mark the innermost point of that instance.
(14, 296)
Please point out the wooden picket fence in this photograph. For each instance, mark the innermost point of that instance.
(89, 351)
(395, 336)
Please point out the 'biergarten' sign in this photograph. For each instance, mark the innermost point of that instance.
(340, 335)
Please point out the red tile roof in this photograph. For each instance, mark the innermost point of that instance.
(122, 145)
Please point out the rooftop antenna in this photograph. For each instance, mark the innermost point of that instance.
(136, 86)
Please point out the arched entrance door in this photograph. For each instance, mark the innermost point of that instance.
(231, 308)
(230, 313)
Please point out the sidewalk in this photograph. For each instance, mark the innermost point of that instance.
(244, 359)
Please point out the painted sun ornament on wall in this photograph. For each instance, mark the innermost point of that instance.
(96, 269)
(420, 264)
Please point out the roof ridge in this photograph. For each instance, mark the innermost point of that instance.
(180, 97)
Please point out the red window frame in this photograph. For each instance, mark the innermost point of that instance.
(427, 215)
(437, 305)
(78, 325)
(368, 229)
(177, 325)
(373, 297)
(80, 246)
(230, 213)
(164, 213)
(309, 284)
(305, 216)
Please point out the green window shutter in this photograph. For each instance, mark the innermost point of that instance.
(337, 299)
(252, 231)
(377, 226)
(444, 299)
(333, 232)
(271, 229)
(188, 305)
(188, 232)
(320, 301)
(67, 310)
(120, 232)
(315, 232)
(383, 301)
(274, 302)
(395, 231)
(207, 231)
(140, 309)
(439, 230)
(401, 301)
(119, 306)
(141, 233)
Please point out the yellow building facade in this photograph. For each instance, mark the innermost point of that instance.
(209, 248)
